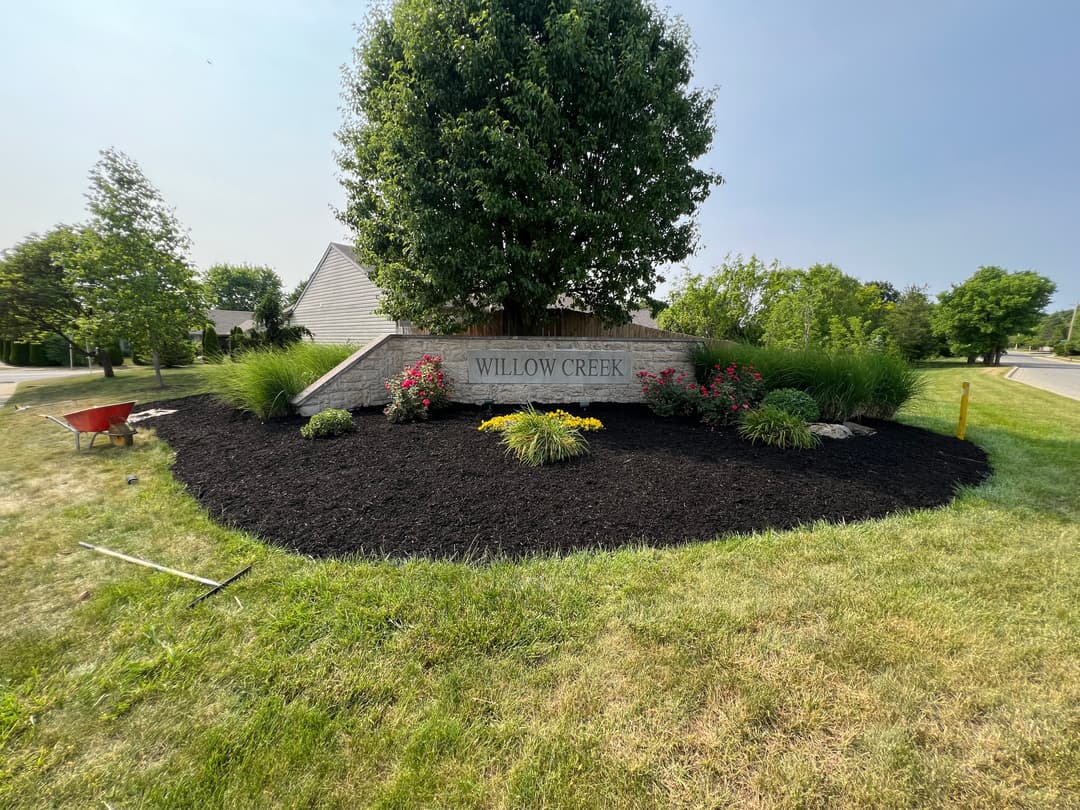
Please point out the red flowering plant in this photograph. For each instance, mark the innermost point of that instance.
(732, 390)
(417, 390)
(669, 393)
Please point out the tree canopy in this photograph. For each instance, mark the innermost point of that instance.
(129, 268)
(501, 153)
(36, 296)
(239, 286)
(727, 303)
(978, 315)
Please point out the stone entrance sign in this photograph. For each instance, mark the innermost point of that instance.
(533, 367)
(505, 370)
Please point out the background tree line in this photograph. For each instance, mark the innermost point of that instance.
(124, 278)
(821, 306)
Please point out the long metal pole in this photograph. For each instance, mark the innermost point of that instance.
(139, 561)
(1072, 323)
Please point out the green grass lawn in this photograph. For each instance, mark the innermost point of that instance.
(930, 659)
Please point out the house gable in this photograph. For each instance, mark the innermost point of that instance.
(339, 301)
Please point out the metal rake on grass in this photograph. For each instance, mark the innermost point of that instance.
(215, 586)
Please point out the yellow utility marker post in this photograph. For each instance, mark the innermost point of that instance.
(962, 427)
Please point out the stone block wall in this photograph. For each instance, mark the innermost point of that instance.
(358, 381)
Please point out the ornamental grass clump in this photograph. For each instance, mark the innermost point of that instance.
(770, 425)
(418, 390)
(331, 422)
(792, 400)
(536, 438)
(844, 385)
(264, 381)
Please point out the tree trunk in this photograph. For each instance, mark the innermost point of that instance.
(971, 360)
(157, 369)
(103, 357)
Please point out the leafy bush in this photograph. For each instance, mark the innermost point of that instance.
(792, 400)
(731, 390)
(20, 354)
(264, 381)
(669, 393)
(845, 386)
(770, 425)
(417, 390)
(211, 345)
(331, 422)
(542, 438)
(1067, 348)
(57, 351)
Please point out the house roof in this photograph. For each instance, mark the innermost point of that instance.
(341, 248)
(347, 250)
(225, 319)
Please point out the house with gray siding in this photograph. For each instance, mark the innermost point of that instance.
(338, 304)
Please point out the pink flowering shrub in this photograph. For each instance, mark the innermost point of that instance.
(732, 390)
(669, 393)
(417, 390)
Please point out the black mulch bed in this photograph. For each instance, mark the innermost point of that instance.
(442, 489)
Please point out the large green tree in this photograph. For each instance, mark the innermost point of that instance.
(978, 315)
(500, 153)
(727, 303)
(130, 266)
(36, 297)
(240, 286)
(909, 322)
(821, 306)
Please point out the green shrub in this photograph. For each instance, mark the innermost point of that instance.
(57, 351)
(5, 350)
(770, 425)
(542, 438)
(37, 355)
(792, 400)
(845, 386)
(117, 355)
(331, 422)
(1067, 348)
(264, 381)
(669, 393)
(211, 345)
(20, 354)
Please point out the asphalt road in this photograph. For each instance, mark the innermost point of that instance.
(10, 376)
(1057, 376)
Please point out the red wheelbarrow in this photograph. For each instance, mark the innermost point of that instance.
(111, 419)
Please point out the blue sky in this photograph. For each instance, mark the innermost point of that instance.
(909, 142)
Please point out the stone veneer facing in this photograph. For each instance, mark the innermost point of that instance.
(576, 369)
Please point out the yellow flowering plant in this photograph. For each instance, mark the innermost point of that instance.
(497, 424)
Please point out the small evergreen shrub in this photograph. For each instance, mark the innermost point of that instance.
(20, 354)
(331, 422)
(536, 438)
(211, 346)
(418, 390)
(37, 355)
(778, 428)
(58, 352)
(792, 400)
